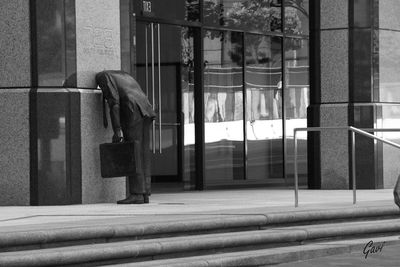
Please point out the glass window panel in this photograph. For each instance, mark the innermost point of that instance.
(70, 43)
(50, 42)
(264, 107)
(296, 90)
(390, 155)
(52, 108)
(362, 13)
(361, 66)
(223, 106)
(187, 83)
(389, 66)
(125, 37)
(253, 15)
(168, 9)
(297, 17)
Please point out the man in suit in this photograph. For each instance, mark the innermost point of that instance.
(131, 117)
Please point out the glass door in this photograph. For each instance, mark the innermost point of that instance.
(164, 70)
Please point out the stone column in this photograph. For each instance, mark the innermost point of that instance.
(15, 83)
(98, 48)
(352, 84)
(329, 96)
(50, 110)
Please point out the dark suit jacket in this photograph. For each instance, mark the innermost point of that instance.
(123, 93)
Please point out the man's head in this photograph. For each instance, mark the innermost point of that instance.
(101, 79)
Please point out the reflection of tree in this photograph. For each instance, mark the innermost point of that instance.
(297, 4)
(259, 15)
(187, 35)
(213, 13)
(192, 10)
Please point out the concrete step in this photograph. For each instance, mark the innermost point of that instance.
(131, 230)
(272, 256)
(185, 246)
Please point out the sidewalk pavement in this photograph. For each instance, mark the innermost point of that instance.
(187, 205)
(387, 257)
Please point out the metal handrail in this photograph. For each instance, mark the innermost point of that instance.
(353, 131)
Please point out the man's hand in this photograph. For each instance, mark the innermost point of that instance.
(118, 136)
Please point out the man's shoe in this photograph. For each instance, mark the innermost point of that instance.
(146, 198)
(132, 199)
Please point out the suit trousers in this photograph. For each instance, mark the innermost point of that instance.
(140, 183)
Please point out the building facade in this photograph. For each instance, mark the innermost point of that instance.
(229, 80)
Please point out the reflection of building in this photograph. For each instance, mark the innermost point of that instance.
(229, 88)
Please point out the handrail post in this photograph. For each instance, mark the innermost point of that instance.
(353, 131)
(296, 177)
(353, 164)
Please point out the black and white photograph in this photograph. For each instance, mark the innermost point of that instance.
(199, 133)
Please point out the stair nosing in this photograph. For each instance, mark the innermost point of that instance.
(46, 236)
(161, 246)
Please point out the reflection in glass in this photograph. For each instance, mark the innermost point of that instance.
(50, 42)
(389, 66)
(187, 83)
(52, 173)
(391, 155)
(264, 106)
(362, 13)
(296, 101)
(223, 106)
(56, 43)
(172, 9)
(70, 40)
(297, 17)
(253, 15)
(125, 37)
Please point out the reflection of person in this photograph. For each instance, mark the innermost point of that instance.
(131, 116)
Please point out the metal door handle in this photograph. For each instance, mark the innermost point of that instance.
(152, 83)
(147, 71)
(159, 89)
(147, 60)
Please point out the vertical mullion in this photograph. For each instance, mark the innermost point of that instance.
(244, 105)
(199, 109)
(33, 136)
(284, 141)
(201, 13)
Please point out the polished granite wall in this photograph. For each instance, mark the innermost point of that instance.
(334, 66)
(334, 147)
(14, 148)
(389, 79)
(94, 188)
(15, 79)
(333, 87)
(97, 39)
(355, 82)
(15, 44)
(98, 48)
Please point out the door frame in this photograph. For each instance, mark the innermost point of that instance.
(198, 182)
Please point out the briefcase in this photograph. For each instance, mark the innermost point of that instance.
(117, 159)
